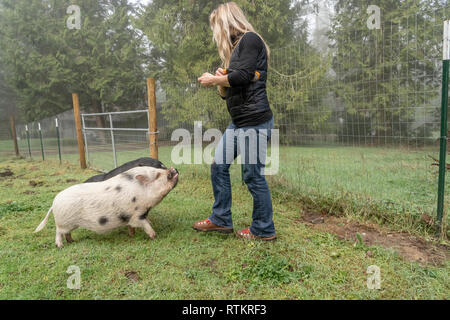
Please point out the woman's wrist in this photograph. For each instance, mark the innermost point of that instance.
(221, 81)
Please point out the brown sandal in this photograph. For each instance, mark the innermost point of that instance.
(206, 226)
(246, 234)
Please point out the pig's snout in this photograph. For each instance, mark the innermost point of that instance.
(173, 173)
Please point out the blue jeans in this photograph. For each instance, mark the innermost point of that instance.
(253, 154)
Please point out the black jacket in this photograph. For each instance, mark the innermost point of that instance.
(246, 99)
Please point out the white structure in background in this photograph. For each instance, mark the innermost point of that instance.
(320, 22)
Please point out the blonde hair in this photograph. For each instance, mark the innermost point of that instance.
(225, 21)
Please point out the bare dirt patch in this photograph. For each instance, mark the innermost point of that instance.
(408, 246)
(6, 173)
(133, 276)
(35, 183)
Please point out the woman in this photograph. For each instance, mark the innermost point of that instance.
(242, 83)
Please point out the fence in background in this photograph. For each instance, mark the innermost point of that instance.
(113, 138)
(124, 137)
(110, 138)
(50, 138)
(6, 143)
(358, 118)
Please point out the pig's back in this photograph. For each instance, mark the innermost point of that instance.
(88, 205)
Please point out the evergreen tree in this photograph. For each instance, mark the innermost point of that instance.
(182, 48)
(46, 62)
(384, 75)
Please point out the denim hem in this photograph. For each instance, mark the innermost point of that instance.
(213, 220)
(261, 235)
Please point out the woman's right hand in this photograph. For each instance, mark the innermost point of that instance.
(220, 72)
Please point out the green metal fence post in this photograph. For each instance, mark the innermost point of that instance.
(444, 116)
(58, 139)
(28, 140)
(40, 137)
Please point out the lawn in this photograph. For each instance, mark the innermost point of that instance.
(394, 186)
(180, 263)
(391, 186)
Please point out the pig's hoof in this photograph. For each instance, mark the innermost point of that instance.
(152, 236)
(59, 245)
(69, 238)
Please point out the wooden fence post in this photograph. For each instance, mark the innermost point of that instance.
(153, 131)
(14, 134)
(76, 113)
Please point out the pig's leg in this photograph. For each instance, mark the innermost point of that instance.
(142, 222)
(131, 231)
(148, 229)
(59, 238)
(68, 237)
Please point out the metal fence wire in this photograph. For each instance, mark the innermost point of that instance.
(357, 111)
(39, 139)
(6, 144)
(114, 138)
(358, 116)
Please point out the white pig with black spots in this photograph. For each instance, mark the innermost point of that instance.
(103, 206)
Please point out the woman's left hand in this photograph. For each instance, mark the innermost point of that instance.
(207, 80)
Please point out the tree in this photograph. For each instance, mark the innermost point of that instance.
(298, 76)
(103, 61)
(384, 75)
(7, 98)
(182, 49)
(108, 52)
(26, 57)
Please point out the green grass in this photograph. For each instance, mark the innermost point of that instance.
(184, 264)
(389, 186)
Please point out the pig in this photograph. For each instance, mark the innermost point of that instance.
(125, 199)
(141, 162)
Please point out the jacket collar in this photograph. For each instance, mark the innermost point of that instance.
(235, 39)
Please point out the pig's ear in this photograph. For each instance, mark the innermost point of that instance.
(143, 179)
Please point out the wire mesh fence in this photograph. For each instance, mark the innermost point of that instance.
(357, 114)
(112, 139)
(6, 143)
(50, 138)
(358, 119)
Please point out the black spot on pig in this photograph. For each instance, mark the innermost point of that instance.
(136, 209)
(118, 188)
(103, 220)
(134, 199)
(124, 217)
(144, 215)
